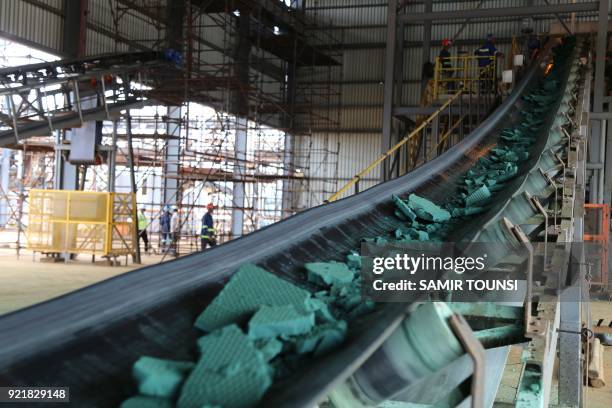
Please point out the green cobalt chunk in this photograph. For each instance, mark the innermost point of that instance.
(269, 348)
(478, 196)
(143, 401)
(353, 260)
(427, 210)
(231, 372)
(160, 378)
(272, 321)
(411, 234)
(328, 273)
(322, 339)
(249, 289)
(403, 208)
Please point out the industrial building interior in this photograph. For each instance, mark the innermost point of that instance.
(194, 194)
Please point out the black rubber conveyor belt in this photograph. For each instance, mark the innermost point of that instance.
(90, 338)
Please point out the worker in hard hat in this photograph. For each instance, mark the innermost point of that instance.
(446, 65)
(207, 234)
(486, 56)
(143, 222)
(164, 225)
(175, 229)
(533, 47)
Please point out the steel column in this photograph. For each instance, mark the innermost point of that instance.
(289, 148)
(426, 42)
(5, 168)
(238, 202)
(112, 159)
(75, 21)
(599, 128)
(389, 85)
(172, 155)
(133, 187)
(240, 107)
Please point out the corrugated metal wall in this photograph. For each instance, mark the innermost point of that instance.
(360, 25)
(38, 24)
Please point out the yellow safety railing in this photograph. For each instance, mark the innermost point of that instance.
(465, 74)
(81, 222)
(416, 132)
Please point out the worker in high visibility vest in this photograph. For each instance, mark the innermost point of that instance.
(207, 234)
(487, 70)
(143, 222)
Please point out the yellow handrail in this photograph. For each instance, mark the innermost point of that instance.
(463, 73)
(392, 150)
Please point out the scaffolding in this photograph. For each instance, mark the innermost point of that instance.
(232, 121)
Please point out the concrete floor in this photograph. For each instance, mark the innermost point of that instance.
(26, 280)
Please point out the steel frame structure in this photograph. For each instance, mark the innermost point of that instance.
(295, 107)
(398, 18)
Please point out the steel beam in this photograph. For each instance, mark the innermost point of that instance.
(408, 111)
(41, 127)
(5, 168)
(420, 18)
(75, 22)
(389, 86)
(561, 21)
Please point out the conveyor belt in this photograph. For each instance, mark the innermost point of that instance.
(90, 338)
(67, 76)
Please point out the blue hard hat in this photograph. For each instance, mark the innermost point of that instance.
(490, 37)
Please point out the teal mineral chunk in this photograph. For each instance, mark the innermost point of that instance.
(462, 212)
(231, 372)
(400, 215)
(478, 196)
(328, 273)
(427, 210)
(143, 401)
(347, 296)
(269, 348)
(320, 308)
(160, 378)
(403, 208)
(249, 289)
(353, 260)
(484, 161)
(272, 321)
(378, 241)
(362, 308)
(412, 234)
(431, 228)
(322, 339)
(508, 175)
